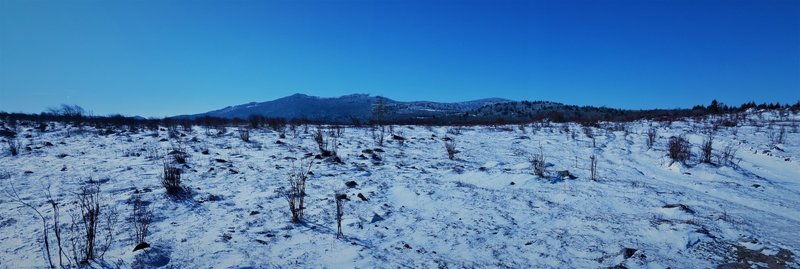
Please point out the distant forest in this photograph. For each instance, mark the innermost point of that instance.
(496, 114)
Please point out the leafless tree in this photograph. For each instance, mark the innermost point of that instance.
(593, 160)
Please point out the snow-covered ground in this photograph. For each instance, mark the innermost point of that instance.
(485, 209)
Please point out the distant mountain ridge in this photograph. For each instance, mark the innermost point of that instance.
(359, 108)
(344, 108)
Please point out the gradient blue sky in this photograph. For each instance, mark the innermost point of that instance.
(157, 58)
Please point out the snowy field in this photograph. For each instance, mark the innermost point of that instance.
(484, 209)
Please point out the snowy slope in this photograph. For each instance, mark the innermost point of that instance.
(485, 209)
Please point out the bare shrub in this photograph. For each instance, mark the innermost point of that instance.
(333, 152)
(378, 134)
(172, 131)
(91, 243)
(278, 125)
(706, 149)
(244, 134)
(296, 192)
(538, 163)
(450, 147)
(678, 149)
(13, 146)
(339, 197)
(186, 125)
(153, 151)
(651, 137)
(777, 137)
(171, 179)
(179, 153)
(319, 138)
(727, 155)
(54, 203)
(337, 131)
(141, 218)
(14, 195)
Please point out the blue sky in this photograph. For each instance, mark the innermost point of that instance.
(158, 58)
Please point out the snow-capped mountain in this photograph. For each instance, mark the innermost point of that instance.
(343, 108)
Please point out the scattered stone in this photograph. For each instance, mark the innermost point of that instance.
(683, 207)
(747, 258)
(141, 245)
(564, 174)
(254, 212)
(376, 218)
(628, 252)
(7, 133)
(351, 184)
(361, 196)
(227, 237)
(512, 183)
(342, 197)
(221, 160)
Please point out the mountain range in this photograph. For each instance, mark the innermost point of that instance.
(345, 108)
(361, 108)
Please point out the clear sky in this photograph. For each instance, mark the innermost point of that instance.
(158, 58)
